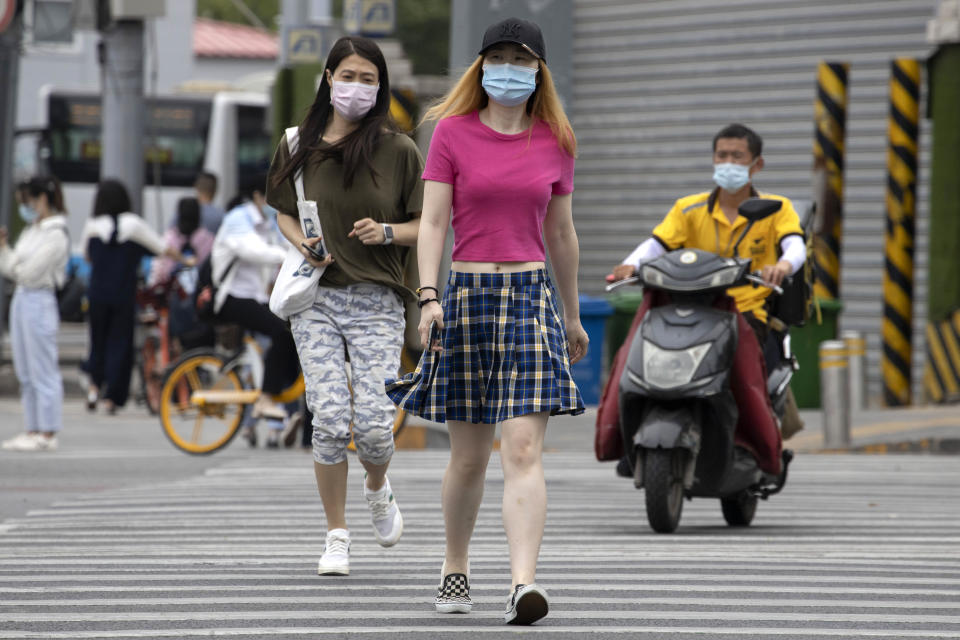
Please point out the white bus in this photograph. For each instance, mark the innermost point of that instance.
(225, 133)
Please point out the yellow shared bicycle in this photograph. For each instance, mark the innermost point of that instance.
(206, 392)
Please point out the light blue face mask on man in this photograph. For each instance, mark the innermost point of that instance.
(27, 213)
(509, 84)
(731, 177)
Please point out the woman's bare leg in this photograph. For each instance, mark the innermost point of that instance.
(524, 492)
(462, 489)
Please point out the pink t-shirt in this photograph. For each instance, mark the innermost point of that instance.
(502, 184)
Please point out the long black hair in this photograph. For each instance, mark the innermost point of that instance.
(356, 149)
(112, 199)
(48, 186)
(188, 220)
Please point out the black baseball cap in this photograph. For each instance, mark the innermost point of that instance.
(516, 31)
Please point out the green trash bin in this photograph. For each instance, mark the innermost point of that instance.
(805, 344)
(625, 303)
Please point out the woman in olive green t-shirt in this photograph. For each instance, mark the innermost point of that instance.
(365, 179)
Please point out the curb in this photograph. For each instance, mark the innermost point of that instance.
(944, 446)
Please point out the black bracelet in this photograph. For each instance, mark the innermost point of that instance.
(420, 290)
(422, 303)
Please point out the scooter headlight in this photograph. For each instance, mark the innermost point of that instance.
(653, 277)
(725, 277)
(668, 368)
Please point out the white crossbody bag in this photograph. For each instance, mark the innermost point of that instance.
(296, 285)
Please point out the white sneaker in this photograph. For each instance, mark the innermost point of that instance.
(264, 407)
(30, 442)
(15, 443)
(387, 521)
(335, 560)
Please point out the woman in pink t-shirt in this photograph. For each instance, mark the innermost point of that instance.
(501, 158)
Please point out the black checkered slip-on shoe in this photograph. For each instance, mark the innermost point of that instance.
(527, 604)
(453, 596)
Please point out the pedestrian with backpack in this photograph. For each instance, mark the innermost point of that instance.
(115, 240)
(191, 239)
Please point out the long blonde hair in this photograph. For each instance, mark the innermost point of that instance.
(468, 96)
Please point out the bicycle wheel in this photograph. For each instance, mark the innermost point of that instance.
(201, 427)
(151, 375)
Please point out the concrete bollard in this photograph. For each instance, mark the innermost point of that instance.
(856, 372)
(834, 395)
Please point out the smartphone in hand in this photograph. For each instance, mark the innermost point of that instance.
(313, 251)
(435, 341)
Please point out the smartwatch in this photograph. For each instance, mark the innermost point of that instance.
(387, 233)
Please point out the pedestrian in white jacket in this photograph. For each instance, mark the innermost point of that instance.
(244, 261)
(37, 264)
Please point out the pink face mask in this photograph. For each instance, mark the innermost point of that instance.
(353, 100)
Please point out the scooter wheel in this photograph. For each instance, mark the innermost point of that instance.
(739, 510)
(663, 488)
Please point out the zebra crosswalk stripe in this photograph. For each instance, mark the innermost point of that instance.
(855, 547)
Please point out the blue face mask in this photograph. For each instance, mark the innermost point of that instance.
(509, 84)
(731, 177)
(27, 213)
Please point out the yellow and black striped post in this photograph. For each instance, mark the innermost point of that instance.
(403, 109)
(902, 132)
(830, 114)
(941, 378)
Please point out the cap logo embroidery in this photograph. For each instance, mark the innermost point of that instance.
(510, 30)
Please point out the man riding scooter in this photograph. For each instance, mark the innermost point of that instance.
(710, 221)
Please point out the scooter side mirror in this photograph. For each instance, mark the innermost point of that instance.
(756, 209)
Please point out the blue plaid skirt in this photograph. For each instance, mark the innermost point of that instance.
(504, 354)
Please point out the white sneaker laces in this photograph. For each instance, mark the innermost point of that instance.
(381, 507)
(337, 546)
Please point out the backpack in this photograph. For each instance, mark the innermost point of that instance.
(793, 305)
(205, 292)
(72, 294)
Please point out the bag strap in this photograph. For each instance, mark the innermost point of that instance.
(293, 143)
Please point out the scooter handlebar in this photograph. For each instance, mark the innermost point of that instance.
(754, 277)
(619, 283)
(757, 280)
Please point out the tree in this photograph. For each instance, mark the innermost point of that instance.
(423, 26)
(263, 11)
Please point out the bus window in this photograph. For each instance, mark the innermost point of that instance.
(74, 138)
(176, 138)
(253, 143)
(176, 133)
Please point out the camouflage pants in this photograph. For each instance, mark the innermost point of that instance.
(367, 319)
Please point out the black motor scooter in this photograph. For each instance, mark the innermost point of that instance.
(677, 412)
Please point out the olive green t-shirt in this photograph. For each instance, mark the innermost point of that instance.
(396, 197)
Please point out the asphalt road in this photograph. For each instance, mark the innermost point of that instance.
(116, 535)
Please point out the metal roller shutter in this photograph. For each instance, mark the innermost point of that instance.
(654, 80)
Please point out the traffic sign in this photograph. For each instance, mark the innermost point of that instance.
(305, 45)
(375, 18)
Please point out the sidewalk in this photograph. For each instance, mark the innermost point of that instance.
(934, 428)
